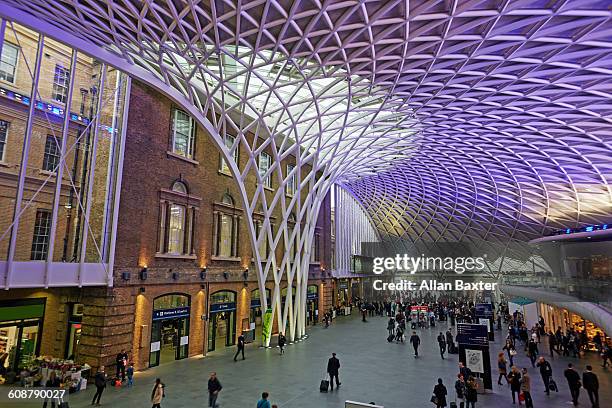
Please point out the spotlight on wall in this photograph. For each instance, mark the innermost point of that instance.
(142, 289)
(226, 275)
(143, 273)
(203, 273)
(125, 276)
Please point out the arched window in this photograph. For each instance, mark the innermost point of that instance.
(226, 223)
(179, 187)
(177, 221)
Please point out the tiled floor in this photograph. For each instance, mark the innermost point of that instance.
(372, 370)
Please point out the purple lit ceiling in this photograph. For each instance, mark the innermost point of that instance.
(511, 100)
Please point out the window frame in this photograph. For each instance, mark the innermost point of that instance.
(190, 145)
(291, 181)
(63, 98)
(223, 167)
(267, 182)
(40, 249)
(4, 128)
(226, 208)
(54, 141)
(14, 74)
(180, 250)
(177, 196)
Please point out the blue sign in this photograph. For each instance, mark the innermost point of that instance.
(170, 313)
(484, 310)
(472, 334)
(312, 296)
(222, 307)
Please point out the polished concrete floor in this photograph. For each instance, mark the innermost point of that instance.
(372, 370)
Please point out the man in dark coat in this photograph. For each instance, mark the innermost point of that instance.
(240, 347)
(100, 383)
(591, 384)
(333, 365)
(442, 344)
(415, 340)
(545, 372)
(573, 381)
(121, 360)
(214, 388)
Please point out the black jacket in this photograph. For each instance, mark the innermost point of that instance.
(590, 381)
(214, 385)
(440, 393)
(573, 378)
(333, 365)
(415, 340)
(100, 379)
(545, 368)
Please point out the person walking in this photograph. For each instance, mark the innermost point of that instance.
(157, 394)
(100, 383)
(415, 340)
(511, 350)
(515, 383)
(440, 392)
(333, 367)
(264, 402)
(591, 385)
(52, 382)
(391, 326)
(533, 351)
(442, 344)
(471, 393)
(130, 375)
(121, 360)
(526, 389)
(240, 347)
(573, 382)
(502, 366)
(606, 355)
(460, 390)
(282, 340)
(214, 388)
(552, 344)
(545, 372)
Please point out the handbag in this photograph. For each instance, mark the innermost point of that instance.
(513, 352)
(521, 396)
(434, 399)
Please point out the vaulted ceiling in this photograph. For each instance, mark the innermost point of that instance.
(506, 106)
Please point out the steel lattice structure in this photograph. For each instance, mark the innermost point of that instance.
(447, 119)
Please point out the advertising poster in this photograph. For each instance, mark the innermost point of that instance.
(474, 360)
(266, 331)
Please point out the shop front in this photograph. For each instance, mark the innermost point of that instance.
(343, 292)
(312, 305)
(558, 317)
(20, 332)
(256, 313)
(222, 319)
(169, 329)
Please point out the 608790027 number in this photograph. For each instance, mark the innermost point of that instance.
(35, 393)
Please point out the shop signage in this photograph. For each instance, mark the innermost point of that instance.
(472, 334)
(155, 346)
(312, 296)
(47, 107)
(184, 340)
(222, 307)
(170, 313)
(343, 285)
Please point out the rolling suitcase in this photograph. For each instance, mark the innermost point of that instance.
(390, 338)
(324, 386)
(552, 385)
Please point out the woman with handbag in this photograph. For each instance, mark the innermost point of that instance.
(502, 365)
(439, 394)
(509, 347)
(157, 394)
(526, 389)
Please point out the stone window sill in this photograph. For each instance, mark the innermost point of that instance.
(175, 256)
(183, 158)
(226, 258)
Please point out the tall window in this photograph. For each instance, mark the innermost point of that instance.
(4, 125)
(226, 228)
(176, 221)
(291, 182)
(40, 240)
(52, 153)
(229, 142)
(8, 62)
(183, 134)
(60, 84)
(265, 162)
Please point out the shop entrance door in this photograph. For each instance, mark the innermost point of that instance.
(222, 329)
(169, 337)
(18, 344)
